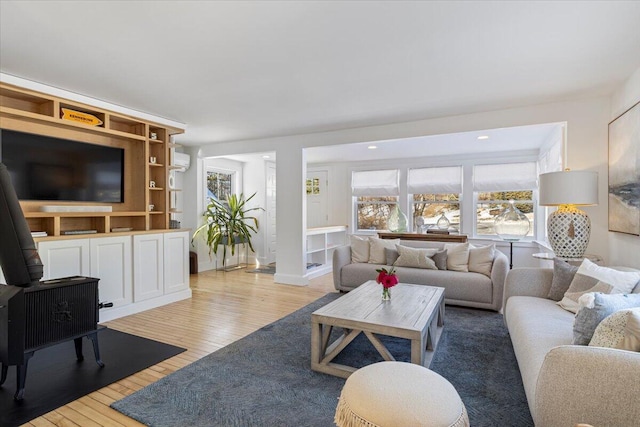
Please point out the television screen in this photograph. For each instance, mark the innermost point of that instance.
(46, 168)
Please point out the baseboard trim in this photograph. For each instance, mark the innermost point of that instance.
(290, 279)
(133, 308)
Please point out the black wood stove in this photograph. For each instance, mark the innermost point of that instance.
(36, 314)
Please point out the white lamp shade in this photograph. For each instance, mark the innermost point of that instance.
(569, 188)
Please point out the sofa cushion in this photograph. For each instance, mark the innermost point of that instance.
(459, 286)
(457, 256)
(377, 247)
(588, 318)
(440, 258)
(391, 255)
(536, 325)
(563, 274)
(415, 257)
(359, 248)
(481, 259)
(620, 330)
(607, 280)
(473, 287)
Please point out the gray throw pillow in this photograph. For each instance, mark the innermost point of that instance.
(587, 319)
(440, 258)
(563, 274)
(391, 255)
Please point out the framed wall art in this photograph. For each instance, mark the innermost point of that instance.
(624, 172)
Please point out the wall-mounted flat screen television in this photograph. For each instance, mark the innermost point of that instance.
(46, 168)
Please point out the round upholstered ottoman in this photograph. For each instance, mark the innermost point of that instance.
(398, 394)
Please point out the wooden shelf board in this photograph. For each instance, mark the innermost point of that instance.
(156, 188)
(155, 141)
(155, 165)
(81, 214)
(50, 119)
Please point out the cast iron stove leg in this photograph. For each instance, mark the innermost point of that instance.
(3, 375)
(96, 349)
(78, 344)
(21, 376)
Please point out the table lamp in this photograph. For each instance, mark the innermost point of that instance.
(569, 228)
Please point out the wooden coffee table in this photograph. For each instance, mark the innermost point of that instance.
(415, 312)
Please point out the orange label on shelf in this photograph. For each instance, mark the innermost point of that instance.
(79, 116)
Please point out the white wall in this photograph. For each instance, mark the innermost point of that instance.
(624, 249)
(586, 139)
(254, 173)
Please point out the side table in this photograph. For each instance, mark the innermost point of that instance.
(549, 256)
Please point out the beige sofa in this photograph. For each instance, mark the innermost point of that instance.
(461, 288)
(566, 384)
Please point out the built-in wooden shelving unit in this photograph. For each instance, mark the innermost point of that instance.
(147, 162)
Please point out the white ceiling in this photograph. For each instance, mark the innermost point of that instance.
(248, 70)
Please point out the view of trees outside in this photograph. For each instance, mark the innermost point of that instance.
(431, 206)
(373, 212)
(491, 204)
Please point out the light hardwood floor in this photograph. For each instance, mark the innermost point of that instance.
(225, 307)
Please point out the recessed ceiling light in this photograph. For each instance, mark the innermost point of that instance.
(372, 147)
(483, 137)
(266, 156)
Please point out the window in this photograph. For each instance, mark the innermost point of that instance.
(495, 185)
(436, 191)
(375, 194)
(220, 184)
(373, 212)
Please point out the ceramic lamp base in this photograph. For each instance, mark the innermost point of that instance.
(569, 230)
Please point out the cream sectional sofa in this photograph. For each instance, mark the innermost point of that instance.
(468, 289)
(566, 384)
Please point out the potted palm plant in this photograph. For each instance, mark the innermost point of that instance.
(228, 224)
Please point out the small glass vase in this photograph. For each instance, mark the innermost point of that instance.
(443, 222)
(386, 294)
(397, 222)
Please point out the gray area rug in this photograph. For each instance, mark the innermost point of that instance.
(265, 378)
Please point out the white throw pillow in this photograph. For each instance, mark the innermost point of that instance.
(620, 330)
(359, 248)
(376, 249)
(591, 277)
(457, 256)
(481, 259)
(416, 257)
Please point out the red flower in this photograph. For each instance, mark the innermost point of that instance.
(387, 279)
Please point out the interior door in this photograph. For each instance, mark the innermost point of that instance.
(271, 212)
(317, 199)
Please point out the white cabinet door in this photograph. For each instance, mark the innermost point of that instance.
(176, 261)
(111, 263)
(148, 271)
(65, 258)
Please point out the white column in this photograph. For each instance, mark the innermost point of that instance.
(291, 217)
